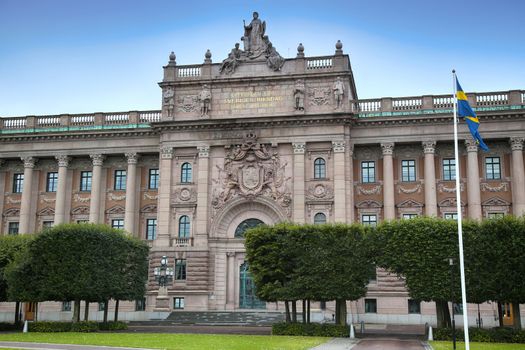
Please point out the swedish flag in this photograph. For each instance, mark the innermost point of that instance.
(466, 112)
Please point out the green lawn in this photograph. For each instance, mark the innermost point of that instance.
(447, 345)
(172, 341)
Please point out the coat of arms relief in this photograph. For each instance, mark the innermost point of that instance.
(251, 170)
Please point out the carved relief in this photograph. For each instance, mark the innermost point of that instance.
(370, 191)
(150, 197)
(503, 187)
(187, 103)
(168, 97)
(429, 147)
(117, 209)
(45, 199)
(83, 210)
(114, 197)
(444, 189)
(166, 152)
(251, 170)
(78, 198)
(516, 143)
(185, 194)
(47, 211)
(319, 96)
(387, 148)
(415, 189)
(12, 212)
(151, 208)
(320, 191)
(11, 200)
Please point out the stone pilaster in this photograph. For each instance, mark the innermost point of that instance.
(518, 176)
(298, 181)
(131, 193)
(350, 183)
(429, 148)
(230, 282)
(96, 188)
(2, 192)
(388, 181)
(60, 199)
(164, 192)
(201, 232)
(474, 193)
(25, 206)
(339, 181)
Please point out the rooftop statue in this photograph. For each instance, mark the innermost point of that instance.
(254, 44)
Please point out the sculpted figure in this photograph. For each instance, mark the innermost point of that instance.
(273, 59)
(339, 91)
(205, 100)
(253, 36)
(298, 95)
(168, 99)
(233, 60)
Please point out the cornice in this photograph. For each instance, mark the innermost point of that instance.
(76, 135)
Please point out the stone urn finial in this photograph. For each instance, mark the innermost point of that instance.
(207, 56)
(300, 51)
(172, 59)
(338, 47)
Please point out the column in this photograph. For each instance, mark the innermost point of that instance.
(388, 181)
(298, 181)
(339, 181)
(474, 193)
(96, 188)
(2, 192)
(201, 236)
(25, 206)
(60, 198)
(230, 281)
(350, 183)
(518, 176)
(131, 193)
(429, 148)
(164, 192)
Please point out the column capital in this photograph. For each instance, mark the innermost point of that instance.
(429, 147)
(471, 145)
(204, 151)
(387, 148)
(230, 254)
(350, 149)
(132, 157)
(97, 159)
(29, 162)
(338, 146)
(516, 143)
(166, 152)
(63, 160)
(298, 147)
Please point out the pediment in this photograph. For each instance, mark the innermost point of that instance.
(47, 211)
(449, 202)
(117, 209)
(152, 208)
(366, 204)
(12, 212)
(410, 203)
(496, 201)
(82, 210)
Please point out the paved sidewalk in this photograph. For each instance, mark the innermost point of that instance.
(371, 344)
(49, 346)
(337, 344)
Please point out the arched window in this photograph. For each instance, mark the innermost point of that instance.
(319, 168)
(184, 226)
(185, 173)
(246, 225)
(319, 218)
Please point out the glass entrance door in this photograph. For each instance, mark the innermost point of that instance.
(247, 297)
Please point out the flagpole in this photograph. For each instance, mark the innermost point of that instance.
(460, 228)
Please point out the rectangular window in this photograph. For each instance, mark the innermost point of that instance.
(120, 180)
(449, 169)
(373, 275)
(451, 216)
(47, 225)
(370, 220)
(180, 269)
(140, 304)
(153, 182)
(151, 229)
(178, 303)
(495, 215)
(414, 306)
(370, 306)
(66, 306)
(18, 183)
(458, 309)
(409, 216)
(408, 170)
(101, 306)
(492, 168)
(368, 171)
(52, 182)
(85, 181)
(13, 228)
(117, 223)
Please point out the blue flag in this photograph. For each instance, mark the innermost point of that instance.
(466, 112)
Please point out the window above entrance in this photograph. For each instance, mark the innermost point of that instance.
(246, 225)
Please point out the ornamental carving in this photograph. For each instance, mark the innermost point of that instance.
(187, 103)
(185, 194)
(150, 197)
(370, 191)
(29, 162)
(166, 152)
(47, 211)
(319, 96)
(114, 197)
(444, 189)
(516, 143)
(63, 160)
(320, 191)
(117, 209)
(78, 198)
(503, 187)
(83, 210)
(387, 148)
(429, 147)
(251, 170)
(415, 189)
(45, 199)
(338, 146)
(11, 200)
(12, 212)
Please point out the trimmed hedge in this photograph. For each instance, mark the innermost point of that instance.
(84, 326)
(493, 335)
(5, 326)
(310, 329)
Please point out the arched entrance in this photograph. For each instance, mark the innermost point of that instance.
(247, 297)
(246, 225)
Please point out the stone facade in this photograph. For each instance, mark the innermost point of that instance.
(229, 147)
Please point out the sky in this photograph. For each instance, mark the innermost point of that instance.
(63, 56)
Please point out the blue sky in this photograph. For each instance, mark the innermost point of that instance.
(63, 56)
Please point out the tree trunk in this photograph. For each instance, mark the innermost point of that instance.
(294, 311)
(116, 310)
(36, 312)
(340, 312)
(287, 307)
(76, 311)
(308, 312)
(516, 315)
(443, 314)
(17, 312)
(86, 311)
(500, 314)
(106, 307)
(304, 311)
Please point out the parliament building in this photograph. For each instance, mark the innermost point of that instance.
(257, 138)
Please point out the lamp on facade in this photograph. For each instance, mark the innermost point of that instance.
(163, 273)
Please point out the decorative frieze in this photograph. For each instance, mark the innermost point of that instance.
(415, 189)
(81, 199)
(368, 191)
(46, 199)
(320, 192)
(185, 194)
(150, 197)
(114, 197)
(319, 96)
(299, 147)
(503, 187)
(11, 200)
(444, 189)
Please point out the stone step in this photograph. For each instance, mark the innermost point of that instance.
(225, 318)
